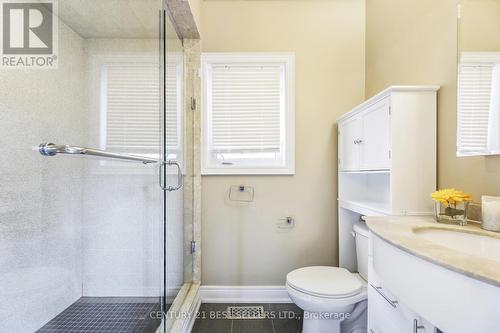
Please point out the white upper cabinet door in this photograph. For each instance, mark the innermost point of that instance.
(375, 141)
(350, 132)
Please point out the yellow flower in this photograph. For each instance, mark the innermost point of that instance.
(450, 196)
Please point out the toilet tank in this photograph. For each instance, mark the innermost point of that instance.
(362, 240)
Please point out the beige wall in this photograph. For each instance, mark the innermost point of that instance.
(479, 25)
(415, 42)
(241, 244)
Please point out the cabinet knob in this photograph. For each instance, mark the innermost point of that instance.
(358, 141)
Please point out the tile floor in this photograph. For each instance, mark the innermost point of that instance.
(280, 318)
(106, 315)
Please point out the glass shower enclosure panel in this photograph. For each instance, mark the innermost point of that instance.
(94, 133)
(175, 176)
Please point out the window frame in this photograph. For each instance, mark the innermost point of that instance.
(288, 148)
(471, 59)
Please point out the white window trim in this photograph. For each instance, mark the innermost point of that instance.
(283, 58)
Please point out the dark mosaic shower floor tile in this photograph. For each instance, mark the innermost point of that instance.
(106, 315)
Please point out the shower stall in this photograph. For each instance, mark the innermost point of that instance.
(95, 192)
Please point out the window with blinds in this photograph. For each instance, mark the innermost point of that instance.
(131, 107)
(247, 114)
(474, 99)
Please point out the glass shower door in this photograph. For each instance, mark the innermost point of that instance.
(175, 177)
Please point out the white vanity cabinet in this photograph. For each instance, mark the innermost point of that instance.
(388, 314)
(447, 294)
(386, 318)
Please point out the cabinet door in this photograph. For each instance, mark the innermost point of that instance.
(386, 313)
(375, 144)
(350, 130)
(381, 319)
(384, 319)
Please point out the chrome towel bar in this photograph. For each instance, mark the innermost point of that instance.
(51, 149)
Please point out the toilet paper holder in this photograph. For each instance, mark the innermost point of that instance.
(288, 224)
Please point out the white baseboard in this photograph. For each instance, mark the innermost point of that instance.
(244, 294)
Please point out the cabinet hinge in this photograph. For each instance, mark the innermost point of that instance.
(390, 110)
(193, 247)
(389, 154)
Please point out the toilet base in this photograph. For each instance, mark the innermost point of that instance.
(315, 322)
(355, 322)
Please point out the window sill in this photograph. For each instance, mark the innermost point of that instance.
(247, 172)
(472, 154)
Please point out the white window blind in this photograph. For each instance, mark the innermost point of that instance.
(246, 107)
(132, 106)
(474, 94)
(248, 113)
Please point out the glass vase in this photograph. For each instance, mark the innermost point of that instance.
(452, 213)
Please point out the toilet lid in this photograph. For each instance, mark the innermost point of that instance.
(324, 281)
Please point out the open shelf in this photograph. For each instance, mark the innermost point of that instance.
(370, 208)
(367, 193)
(365, 171)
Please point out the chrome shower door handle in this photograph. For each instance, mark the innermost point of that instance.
(179, 175)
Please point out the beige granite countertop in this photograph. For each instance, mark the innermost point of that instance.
(399, 231)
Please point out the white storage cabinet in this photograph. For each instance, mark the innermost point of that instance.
(387, 166)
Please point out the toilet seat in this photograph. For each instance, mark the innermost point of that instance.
(325, 282)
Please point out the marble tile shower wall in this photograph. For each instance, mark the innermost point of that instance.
(40, 198)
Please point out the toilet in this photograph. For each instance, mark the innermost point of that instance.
(334, 300)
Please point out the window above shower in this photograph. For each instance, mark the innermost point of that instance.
(126, 87)
(248, 113)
